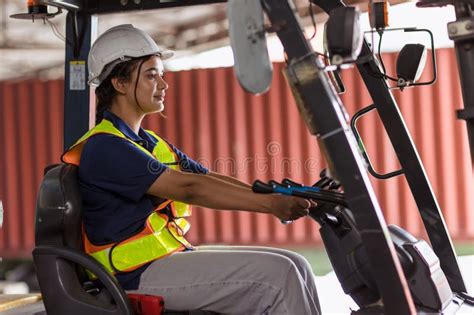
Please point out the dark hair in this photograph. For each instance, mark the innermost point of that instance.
(105, 92)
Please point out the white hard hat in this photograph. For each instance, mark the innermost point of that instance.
(118, 44)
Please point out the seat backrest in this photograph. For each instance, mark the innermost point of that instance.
(59, 209)
(59, 258)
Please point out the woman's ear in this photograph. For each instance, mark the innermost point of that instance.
(119, 85)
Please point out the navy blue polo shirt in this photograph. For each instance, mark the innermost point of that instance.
(114, 176)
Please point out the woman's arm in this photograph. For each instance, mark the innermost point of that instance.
(207, 191)
(229, 179)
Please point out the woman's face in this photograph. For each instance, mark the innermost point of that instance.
(150, 92)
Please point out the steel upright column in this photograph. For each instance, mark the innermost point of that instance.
(462, 32)
(80, 33)
(324, 114)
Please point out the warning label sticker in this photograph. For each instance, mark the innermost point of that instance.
(77, 75)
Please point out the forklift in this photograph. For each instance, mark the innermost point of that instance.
(383, 268)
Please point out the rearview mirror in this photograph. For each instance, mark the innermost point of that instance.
(343, 35)
(411, 62)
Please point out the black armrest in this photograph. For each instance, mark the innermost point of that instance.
(63, 292)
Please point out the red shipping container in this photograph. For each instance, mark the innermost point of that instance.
(214, 121)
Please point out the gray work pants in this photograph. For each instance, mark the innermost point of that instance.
(234, 280)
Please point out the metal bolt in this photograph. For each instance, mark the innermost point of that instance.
(123, 2)
(452, 29)
(337, 59)
(469, 26)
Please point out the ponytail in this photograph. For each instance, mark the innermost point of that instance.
(105, 94)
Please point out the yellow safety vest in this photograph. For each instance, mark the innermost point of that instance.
(161, 235)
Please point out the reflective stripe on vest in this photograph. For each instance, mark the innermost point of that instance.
(153, 242)
(165, 154)
(161, 235)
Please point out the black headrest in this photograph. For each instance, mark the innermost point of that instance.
(59, 209)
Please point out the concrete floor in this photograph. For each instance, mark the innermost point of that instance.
(334, 301)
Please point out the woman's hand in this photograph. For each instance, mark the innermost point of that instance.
(289, 208)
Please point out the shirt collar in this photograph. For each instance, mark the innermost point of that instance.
(122, 126)
(143, 138)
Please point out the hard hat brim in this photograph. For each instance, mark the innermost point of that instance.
(166, 54)
(95, 81)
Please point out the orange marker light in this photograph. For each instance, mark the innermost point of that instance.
(36, 10)
(30, 3)
(378, 14)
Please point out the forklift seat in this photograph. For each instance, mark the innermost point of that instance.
(59, 258)
(61, 262)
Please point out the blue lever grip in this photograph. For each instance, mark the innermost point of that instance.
(290, 190)
(305, 189)
(282, 190)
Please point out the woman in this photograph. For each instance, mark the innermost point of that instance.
(136, 187)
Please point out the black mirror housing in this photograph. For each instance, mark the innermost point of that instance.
(343, 34)
(410, 62)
